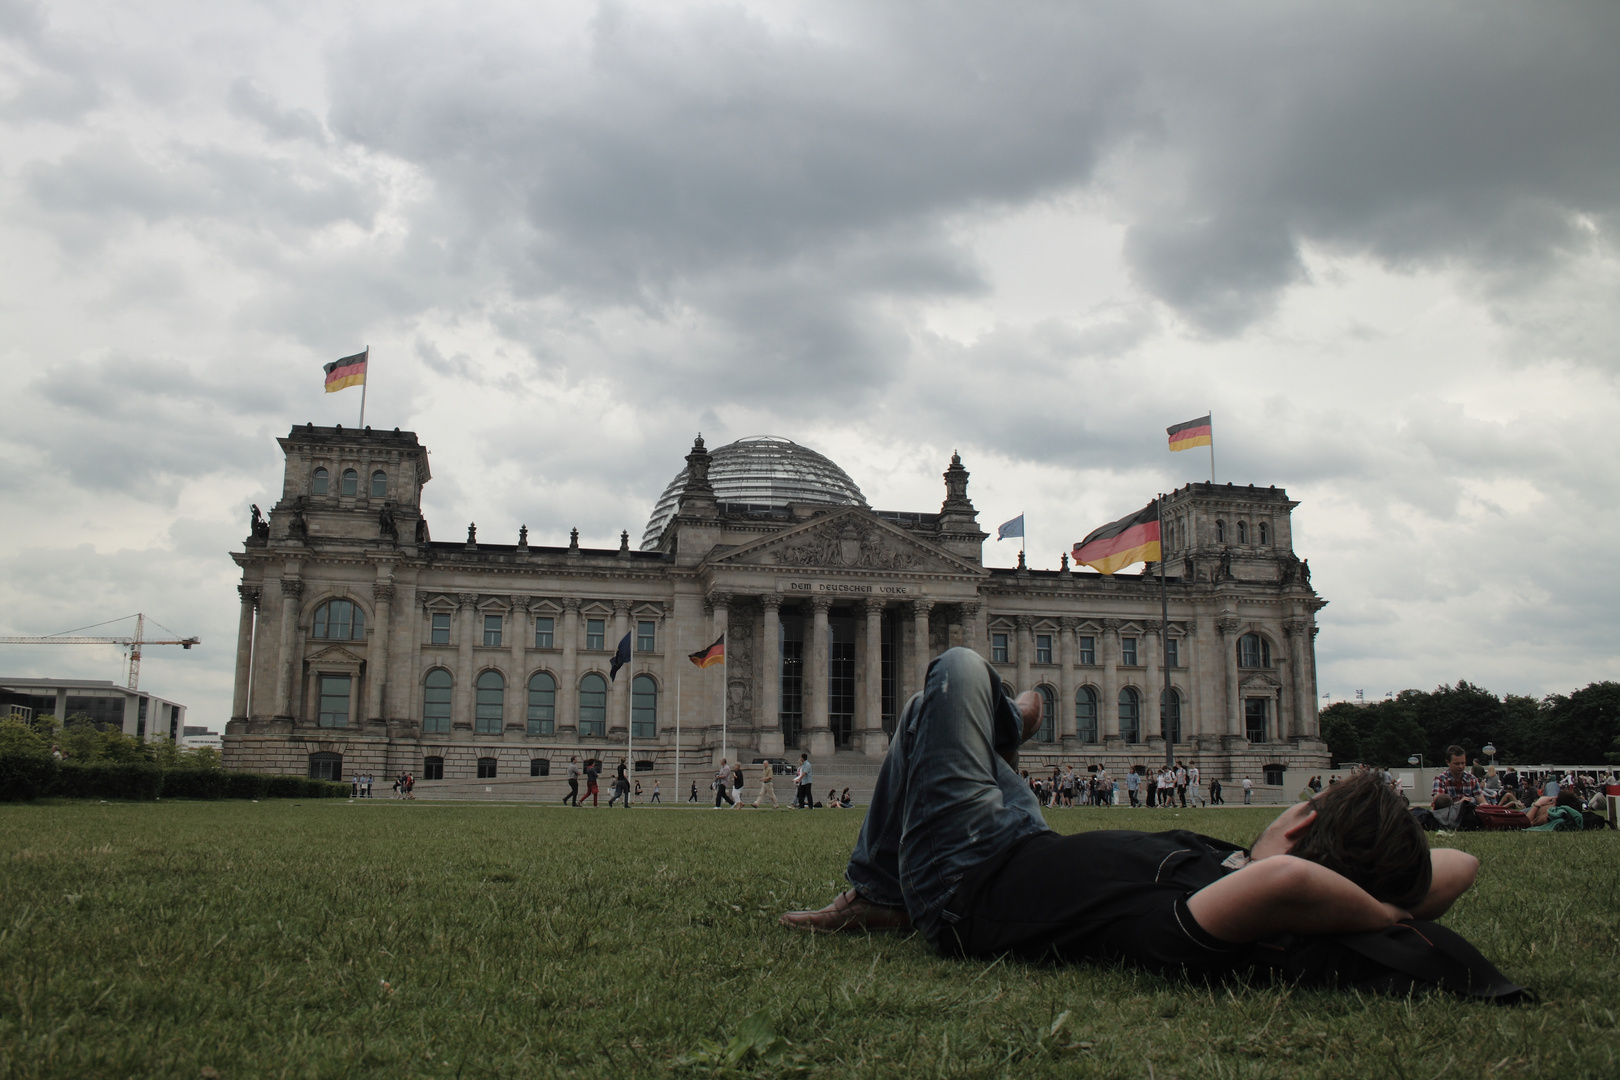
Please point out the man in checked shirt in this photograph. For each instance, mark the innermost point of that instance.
(1457, 781)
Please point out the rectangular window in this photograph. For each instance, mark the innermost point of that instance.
(841, 681)
(646, 636)
(433, 768)
(792, 639)
(595, 633)
(492, 631)
(543, 629)
(334, 695)
(441, 629)
(1173, 652)
(140, 719)
(539, 766)
(486, 768)
(1254, 719)
(998, 648)
(1043, 648)
(1127, 651)
(1088, 650)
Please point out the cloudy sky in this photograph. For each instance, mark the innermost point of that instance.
(1378, 241)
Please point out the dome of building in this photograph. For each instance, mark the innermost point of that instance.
(761, 473)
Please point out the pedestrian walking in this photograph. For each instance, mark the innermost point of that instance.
(1248, 790)
(804, 798)
(693, 796)
(638, 789)
(593, 768)
(573, 782)
(656, 796)
(767, 785)
(736, 785)
(621, 785)
(722, 785)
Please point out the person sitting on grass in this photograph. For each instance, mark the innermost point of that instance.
(954, 845)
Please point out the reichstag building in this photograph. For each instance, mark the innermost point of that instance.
(366, 645)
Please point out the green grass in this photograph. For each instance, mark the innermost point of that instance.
(518, 940)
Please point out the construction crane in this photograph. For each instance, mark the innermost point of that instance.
(133, 644)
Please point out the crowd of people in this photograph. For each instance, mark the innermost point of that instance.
(1549, 799)
(1169, 785)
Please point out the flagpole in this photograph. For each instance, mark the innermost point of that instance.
(678, 796)
(630, 723)
(1164, 641)
(1211, 446)
(363, 383)
(724, 662)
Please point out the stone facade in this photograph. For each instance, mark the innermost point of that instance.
(366, 646)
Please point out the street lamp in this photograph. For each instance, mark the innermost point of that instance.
(1415, 759)
(1490, 752)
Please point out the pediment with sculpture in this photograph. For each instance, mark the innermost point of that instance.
(851, 539)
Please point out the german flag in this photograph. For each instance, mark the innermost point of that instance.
(1120, 543)
(347, 372)
(1192, 433)
(714, 654)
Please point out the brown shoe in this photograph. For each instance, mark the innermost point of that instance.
(849, 912)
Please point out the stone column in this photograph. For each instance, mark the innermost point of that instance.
(716, 688)
(973, 635)
(410, 684)
(521, 629)
(619, 692)
(1108, 707)
(1298, 670)
(1026, 652)
(568, 691)
(1229, 628)
(1067, 688)
(818, 728)
(461, 712)
(1154, 690)
(770, 731)
(382, 598)
(1313, 720)
(244, 650)
(291, 589)
(873, 740)
(920, 649)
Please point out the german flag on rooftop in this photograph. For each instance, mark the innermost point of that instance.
(347, 372)
(1192, 433)
(1118, 544)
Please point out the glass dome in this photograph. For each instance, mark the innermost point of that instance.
(760, 473)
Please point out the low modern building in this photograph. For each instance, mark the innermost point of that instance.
(106, 704)
(365, 645)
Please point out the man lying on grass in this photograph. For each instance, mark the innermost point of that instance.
(954, 845)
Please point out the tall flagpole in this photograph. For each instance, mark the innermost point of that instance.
(630, 723)
(363, 384)
(678, 795)
(1164, 641)
(724, 661)
(1211, 447)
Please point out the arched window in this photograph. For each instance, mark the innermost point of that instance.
(339, 620)
(542, 704)
(1254, 651)
(379, 484)
(436, 705)
(1130, 715)
(593, 705)
(1170, 719)
(433, 768)
(1220, 531)
(326, 766)
(1047, 730)
(486, 768)
(1243, 532)
(491, 700)
(643, 707)
(351, 483)
(1264, 535)
(1085, 714)
(319, 482)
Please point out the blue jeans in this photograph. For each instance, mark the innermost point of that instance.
(945, 800)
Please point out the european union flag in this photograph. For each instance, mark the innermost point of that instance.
(1015, 527)
(621, 657)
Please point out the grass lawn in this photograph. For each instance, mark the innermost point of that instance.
(418, 939)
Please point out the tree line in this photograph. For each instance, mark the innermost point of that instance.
(1579, 728)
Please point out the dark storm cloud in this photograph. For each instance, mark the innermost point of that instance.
(670, 148)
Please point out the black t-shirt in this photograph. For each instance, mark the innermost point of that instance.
(1106, 895)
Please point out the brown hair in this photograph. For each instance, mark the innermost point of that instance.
(1364, 831)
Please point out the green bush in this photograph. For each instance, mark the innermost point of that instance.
(108, 780)
(285, 787)
(246, 785)
(26, 776)
(194, 784)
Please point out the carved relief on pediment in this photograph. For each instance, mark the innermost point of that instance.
(853, 545)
